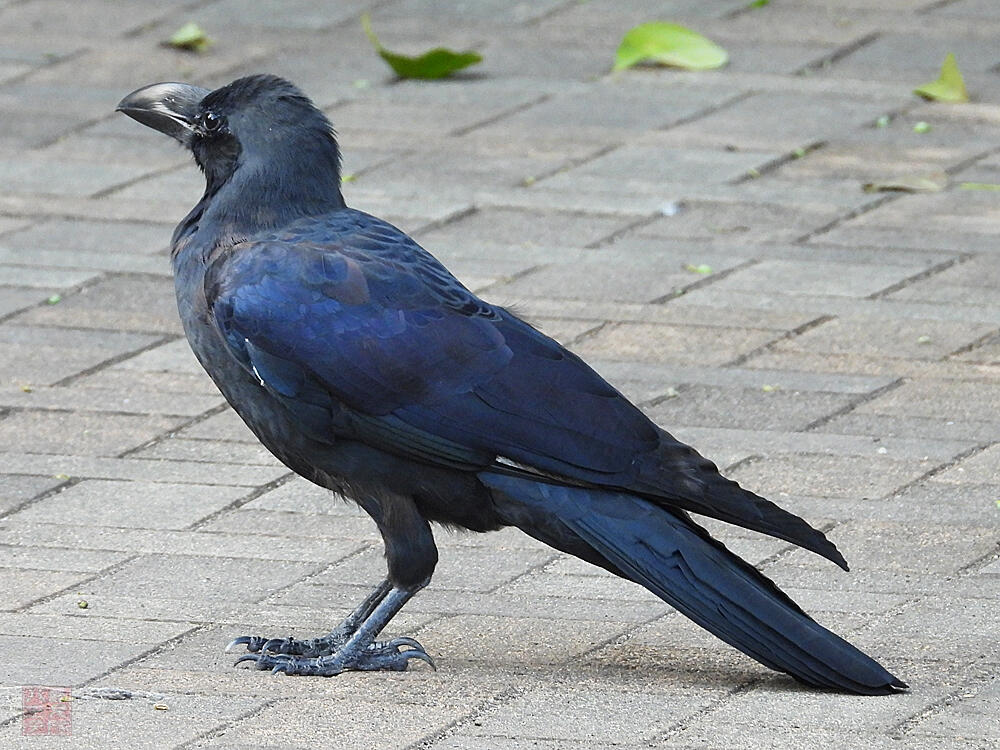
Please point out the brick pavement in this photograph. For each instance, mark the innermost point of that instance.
(841, 358)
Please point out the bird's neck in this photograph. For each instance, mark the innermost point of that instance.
(261, 195)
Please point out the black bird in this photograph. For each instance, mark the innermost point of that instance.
(366, 367)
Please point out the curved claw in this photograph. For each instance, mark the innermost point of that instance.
(243, 640)
(247, 657)
(397, 643)
(417, 654)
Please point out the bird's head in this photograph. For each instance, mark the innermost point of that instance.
(259, 135)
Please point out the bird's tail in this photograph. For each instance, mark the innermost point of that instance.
(678, 561)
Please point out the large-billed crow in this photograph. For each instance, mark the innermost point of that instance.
(366, 367)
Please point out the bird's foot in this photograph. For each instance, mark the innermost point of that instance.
(310, 647)
(386, 655)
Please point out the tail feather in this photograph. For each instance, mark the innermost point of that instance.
(678, 561)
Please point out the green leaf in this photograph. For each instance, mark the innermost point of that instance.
(55, 299)
(949, 87)
(436, 63)
(669, 44)
(701, 268)
(191, 37)
(759, 3)
(933, 182)
(921, 127)
(980, 186)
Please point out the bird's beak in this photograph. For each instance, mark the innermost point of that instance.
(167, 107)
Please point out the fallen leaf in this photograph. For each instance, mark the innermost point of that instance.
(883, 121)
(669, 44)
(759, 3)
(933, 182)
(979, 186)
(55, 299)
(436, 63)
(769, 388)
(82, 604)
(949, 87)
(702, 269)
(191, 37)
(921, 127)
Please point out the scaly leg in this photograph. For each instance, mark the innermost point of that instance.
(326, 644)
(359, 652)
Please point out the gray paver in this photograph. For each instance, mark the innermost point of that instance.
(841, 356)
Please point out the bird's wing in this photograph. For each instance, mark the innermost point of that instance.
(350, 313)
(359, 330)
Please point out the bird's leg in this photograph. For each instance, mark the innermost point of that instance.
(322, 645)
(359, 652)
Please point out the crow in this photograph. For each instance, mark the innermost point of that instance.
(363, 365)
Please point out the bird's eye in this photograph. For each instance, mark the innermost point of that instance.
(211, 122)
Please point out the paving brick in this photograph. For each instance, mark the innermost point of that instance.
(160, 470)
(528, 228)
(32, 174)
(951, 400)
(884, 545)
(982, 467)
(61, 662)
(70, 261)
(80, 433)
(17, 490)
(121, 304)
(24, 586)
(183, 390)
(632, 278)
(741, 221)
(225, 426)
(135, 504)
(31, 355)
(211, 578)
(180, 449)
(867, 423)
(909, 339)
(784, 121)
(89, 237)
(832, 476)
(513, 640)
(608, 111)
(772, 409)
(13, 299)
(646, 167)
(309, 723)
(137, 721)
(135, 398)
(14, 275)
(910, 57)
(672, 344)
(56, 559)
(586, 714)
